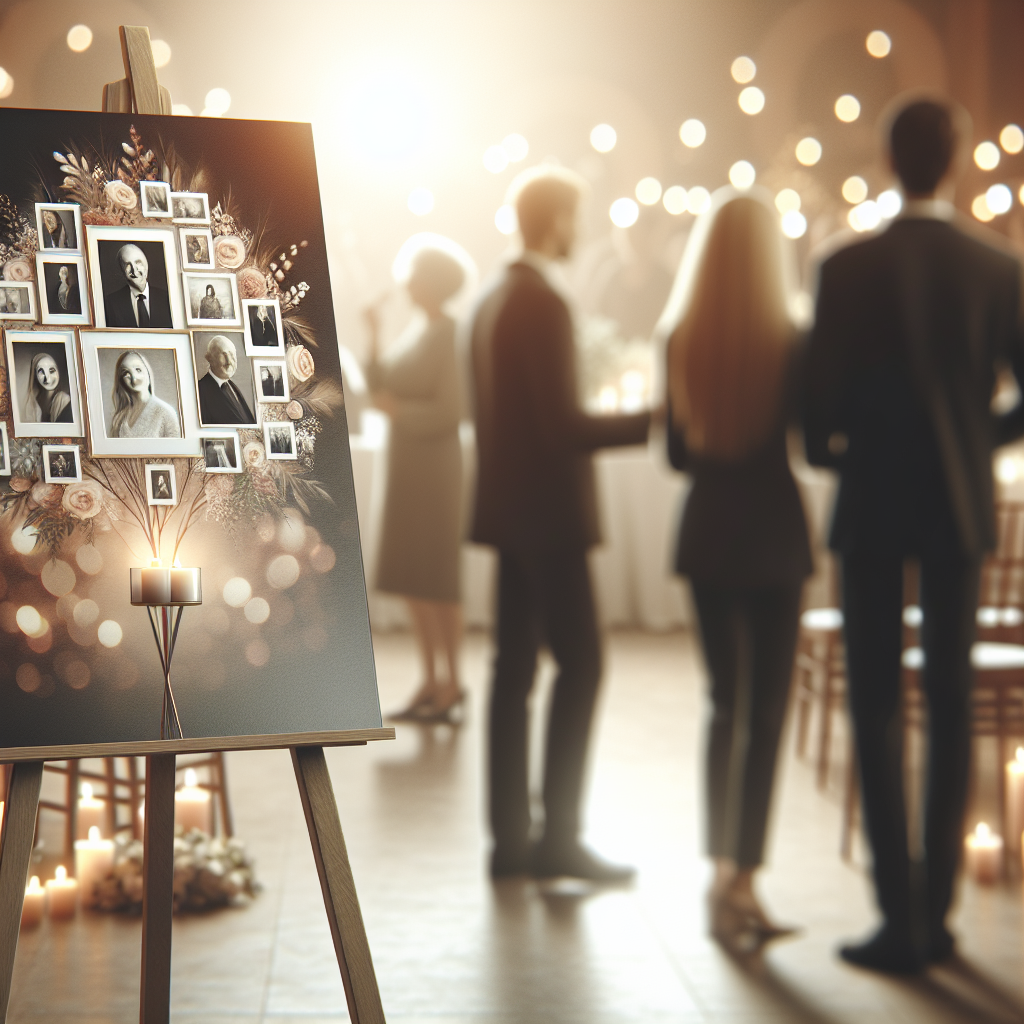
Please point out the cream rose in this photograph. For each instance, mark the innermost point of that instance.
(252, 283)
(20, 483)
(294, 410)
(254, 455)
(18, 269)
(229, 251)
(300, 362)
(121, 195)
(45, 494)
(84, 499)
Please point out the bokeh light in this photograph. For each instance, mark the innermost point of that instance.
(86, 612)
(648, 191)
(89, 559)
(516, 147)
(162, 57)
(788, 199)
(23, 540)
(743, 70)
(808, 151)
(855, 189)
(181, 109)
(79, 38)
(1020, 195)
(30, 622)
(986, 155)
(674, 200)
(698, 200)
(6, 84)
(257, 610)
(751, 100)
(878, 44)
(603, 138)
(1011, 138)
(505, 219)
(847, 108)
(109, 633)
(980, 208)
(28, 677)
(865, 216)
(283, 572)
(692, 132)
(495, 159)
(794, 224)
(999, 199)
(742, 174)
(890, 202)
(624, 212)
(421, 201)
(237, 591)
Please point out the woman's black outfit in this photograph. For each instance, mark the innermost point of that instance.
(743, 544)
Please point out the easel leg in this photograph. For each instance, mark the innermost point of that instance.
(158, 891)
(15, 853)
(339, 889)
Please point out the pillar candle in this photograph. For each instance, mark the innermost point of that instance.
(62, 895)
(94, 860)
(983, 851)
(192, 806)
(92, 813)
(1015, 801)
(35, 900)
(159, 585)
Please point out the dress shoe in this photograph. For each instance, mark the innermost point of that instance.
(577, 861)
(941, 946)
(886, 951)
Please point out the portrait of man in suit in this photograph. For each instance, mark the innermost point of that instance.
(221, 400)
(132, 299)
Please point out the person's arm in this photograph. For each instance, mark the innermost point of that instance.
(824, 373)
(678, 456)
(1010, 424)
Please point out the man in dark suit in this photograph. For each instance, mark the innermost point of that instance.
(221, 403)
(140, 302)
(911, 324)
(536, 503)
(262, 327)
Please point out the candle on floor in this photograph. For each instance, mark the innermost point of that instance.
(94, 860)
(62, 895)
(91, 813)
(35, 900)
(192, 805)
(1015, 801)
(983, 850)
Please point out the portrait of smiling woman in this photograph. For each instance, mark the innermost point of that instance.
(138, 412)
(47, 399)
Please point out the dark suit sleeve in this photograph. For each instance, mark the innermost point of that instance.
(678, 456)
(1010, 424)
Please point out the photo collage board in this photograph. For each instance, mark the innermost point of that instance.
(170, 394)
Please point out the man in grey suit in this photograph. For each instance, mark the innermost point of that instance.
(911, 325)
(221, 402)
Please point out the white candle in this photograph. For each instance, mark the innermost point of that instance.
(62, 895)
(983, 851)
(92, 813)
(32, 908)
(1015, 801)
(192, 806)
(161, 585)
(94, 860)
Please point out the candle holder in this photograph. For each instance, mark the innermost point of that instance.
(165, 593)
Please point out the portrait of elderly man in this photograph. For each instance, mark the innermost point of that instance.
(130, 298)
(221, 401)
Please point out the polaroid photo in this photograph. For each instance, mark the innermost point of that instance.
(211, 300)
(161, 485)
(129, 264)
(221, 452)
(63, 296)
(196, 246)
(18, 301)
(190, 208)
(264, 332)
(271, 377)
(59, 226)
(5, 451)
(42, 373)
(224, 385)
(156, 199)
(62, 464)
(279, 440)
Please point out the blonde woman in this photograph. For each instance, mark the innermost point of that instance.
(137, 411)
(46, 401)
(731, 373)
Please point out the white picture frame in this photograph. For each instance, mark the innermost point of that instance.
(276, 373)
(21, 349)
(196, 287)
(255, 339)
(68, 228)
(62, 464)
(63, 289)
(180, 212)
(18, 301)
(155, 200)
(191, 245)
(161, 484)
(5, 451)
(220, 447)
(272, 431)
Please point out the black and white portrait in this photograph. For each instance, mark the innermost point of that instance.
(264, 332)
(224, 384)
(44, 384)
(5, 451)
(161, 485)
(196, 248)
(140, 389)
(271, 380)
(211, 300)
(220, 453)
(59, 226)
(190, 207)
(279, 440)
(156, 199)
(62, 293)
(61, 464)
(17, 301)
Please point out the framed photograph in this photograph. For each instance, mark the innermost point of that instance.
(279, 440)
(161, 485)
(140, 394)
(62, 464)
(18, 301)
(156, 199)
(271, 376)
(59, 226)
(63, 297)
(129, 264)
(221, 454)
(43, 377)
(190, 208)
(196, 248)
(224, 386)
(211, 300)
(5, 451)
(264, 332)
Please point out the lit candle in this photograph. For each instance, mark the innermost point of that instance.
(35, 900)
(1015, 801)
(91, 813)
(62, 895)
(94, 860)
(983, 850)
(192, 805)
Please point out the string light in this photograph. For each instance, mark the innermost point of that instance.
(743, 70)
(603, 138)
(889, 203)
(847, 108)
(692, 133)
(855, 190)
(986, 155)
(999, 199)
(808, 151)
(1011, 138)
(980, 208)
(878, 44)
(698, 200)
(751, 100)
(674, 200)
(788, 199)
(79, 38)
(624, 212)
(648, 191)
(742, 174)
(794, 224)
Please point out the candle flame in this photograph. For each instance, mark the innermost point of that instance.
(982, 831)
(86, 791)
(61, 874)
(177, 563)
(155, 563)
(191, 778)
(94, 834)
(33, 884)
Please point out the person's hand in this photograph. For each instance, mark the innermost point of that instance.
(385, 402)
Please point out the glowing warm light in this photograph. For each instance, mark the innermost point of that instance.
(788, 199)
(162, 56)
(751, 100)
(865, 216)
(986, 155)
(516, 147)
(237, 591)
(608, 398)
(30, 622)
(698, 200)
(648, 191)
(1020, 195)
(505, 219)
(181, 109)
(1011, 138)
(421, 201)
(495, 159)
(1007, 471)
(742, 174)
(855, 190)
(999, 199)
(692, 133)
(743, 70)
(878, 44)
(86, 612)
(808, 151)
(191, 778)
(980, 208)
(624, 212)
(283, 572)
(218, 102)
(257, 610)
(6, 84)
(23, 540)
(79, 38)
(388, 114)
(674, 200)
(603, 138)
(110, 633)
(847, 108)
(794, 224)
(890, 202)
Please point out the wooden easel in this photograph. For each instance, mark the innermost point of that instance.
(139, 92)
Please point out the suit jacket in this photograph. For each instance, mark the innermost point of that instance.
(119, 307)
(535, 482)
(911, 327)
(263, 332)
(215, 409)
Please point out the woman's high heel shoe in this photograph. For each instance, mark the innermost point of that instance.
(756, 922)
(435, 711)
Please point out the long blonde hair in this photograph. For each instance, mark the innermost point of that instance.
(729, 329)
(126, 402)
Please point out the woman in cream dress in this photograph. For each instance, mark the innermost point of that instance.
(137, 411)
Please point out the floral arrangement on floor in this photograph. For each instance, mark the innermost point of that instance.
(106, 186)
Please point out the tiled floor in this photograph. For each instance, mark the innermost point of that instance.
(450, 948)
